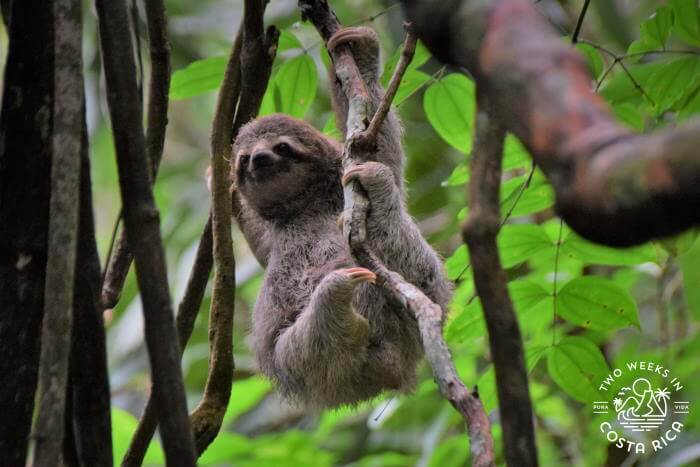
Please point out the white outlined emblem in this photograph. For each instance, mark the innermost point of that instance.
(649, 409)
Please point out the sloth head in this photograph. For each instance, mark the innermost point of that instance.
(284, 167)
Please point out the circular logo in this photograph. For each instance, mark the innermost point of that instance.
(644, 409)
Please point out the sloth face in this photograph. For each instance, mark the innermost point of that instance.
(283, 165)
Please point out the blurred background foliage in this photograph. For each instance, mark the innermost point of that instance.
(564, 287)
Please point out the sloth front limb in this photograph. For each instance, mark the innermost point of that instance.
(324, 350)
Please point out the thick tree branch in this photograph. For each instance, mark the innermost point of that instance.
(63, 232)
(25, 168)
(427, 313)
(143, 231)
(612, 186)
(480, 231)
(157, 121)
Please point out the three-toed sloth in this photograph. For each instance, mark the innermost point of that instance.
(322, 330)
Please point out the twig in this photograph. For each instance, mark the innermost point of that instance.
(427, 313)
(157, 118)
(143, 231)
(409, 49)
(579, 23)
(479, 232)
(63, 232)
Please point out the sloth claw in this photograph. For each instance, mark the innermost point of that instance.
(358, 275)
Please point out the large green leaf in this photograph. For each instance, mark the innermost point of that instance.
(657, 28)
(449, 105)
(595, 302)
(687, 20)
(668, 84)
(517, 243)
(296, 82)
(198, 78)
(578, 367)
(621, 88)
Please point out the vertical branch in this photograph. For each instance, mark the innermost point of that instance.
(143, 231)
(361, 138)
(245, 80)
(479, 234)
(63, 232)
(157, 121)
(88, 365)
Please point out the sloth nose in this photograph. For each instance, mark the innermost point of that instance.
(261, 159)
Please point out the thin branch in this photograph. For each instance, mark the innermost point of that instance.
(143, 231)
(579, 23)
(157, 118)
(63, 232)
(409, 49)
(480, 232)
(427, 313)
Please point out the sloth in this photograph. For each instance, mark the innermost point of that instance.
(323, 331)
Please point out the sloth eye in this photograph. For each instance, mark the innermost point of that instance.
(283, 149)
(243, 160)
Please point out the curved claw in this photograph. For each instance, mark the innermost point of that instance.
(350, 34)
(351, 174)
(358, 275)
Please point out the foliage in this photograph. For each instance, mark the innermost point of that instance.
(583, 308)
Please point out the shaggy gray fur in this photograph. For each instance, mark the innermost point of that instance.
(325, 337)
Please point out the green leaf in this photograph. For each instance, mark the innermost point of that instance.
(330, 129)
(656, 29)
(630, 115)
(297, 82)
(421, 56)
(459, 175)
(452, 452)
(123, 428)
(690, 265)
(467, 324)
(517, 243)
(455, 264)
(411, 82)
(527, 294)
(591, 253)
(593, 59)
(621, 88)
(594, 302)
(288, 41)
(514, 153)
(691, 106)
(449, 106)
(197, 78)
(578, 367)
(687, 20)
(537, 196)
(668, 84)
